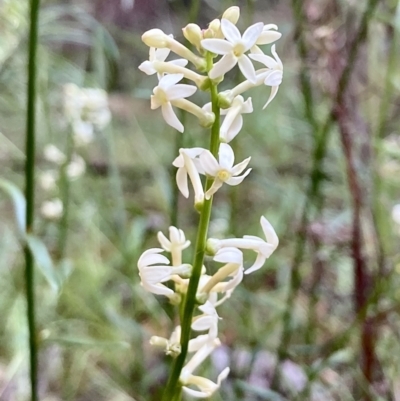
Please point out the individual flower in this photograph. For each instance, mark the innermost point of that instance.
(52, 209)
(165, 93)
(206, 387)
(264, 249)
(189, 165)
(274, 76)
(48, 180)
(233, 121)
(171, 345)
(233, 49)
(153, 271)
(159, 55)
(174, 245)
(76, 167)
(53, 154)
(207, 321)
(223, 170)
(233, 259)
(83, 132)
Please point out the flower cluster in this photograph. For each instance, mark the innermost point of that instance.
(206, 171)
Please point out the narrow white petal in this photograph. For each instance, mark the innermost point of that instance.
(158, 289)
(180, 91)
(268, 37)
(226, 156)
(229, 255)
(203, 323)
(161, 54)
(209, 163)
(234, 129)
(274, 91)
(170, 117)
(174, 235)
(237, 279)
(164, 241)
(182, 182)
(208, 107)
(181, 62)
(154, 103)
(259, 262)
(216, 185)
(247, 106)
(179, 161)
(269, 232)
(224, 65)
(155, 274)
(147, 68)
(217, 46)
(230, 31)
(264, 59)
(275, 54)
(240, 166)
(238, 180)
(247, 68)
(195, 393)
(274, 78)
(251, 34)
(196, 343)
(168, 80)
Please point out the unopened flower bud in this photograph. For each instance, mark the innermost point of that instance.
(201, 299)
(155, 38)
(212, 246)
(232, 14)
(207, 120)
(193, 34)
(214, 30)
(225, 99)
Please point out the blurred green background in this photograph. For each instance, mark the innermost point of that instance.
(320, 321)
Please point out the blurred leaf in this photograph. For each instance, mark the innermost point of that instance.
(263, 393)
(43, 261)
(19, 203)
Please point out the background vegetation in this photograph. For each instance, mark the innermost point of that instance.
(321, 320)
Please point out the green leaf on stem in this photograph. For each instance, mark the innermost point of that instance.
(19, 202)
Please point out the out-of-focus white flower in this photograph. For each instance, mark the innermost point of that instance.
(206, 387)
(165, 93)
(396, 214)
(264, 249)
(76, 167)
(233, 49)
(83, 132)
(273, 77)
(53, 154)
(52, 209)
(174, 245)
(189, 165)
(48, 179)
(233, 121)
(223, 171)
(154, 270)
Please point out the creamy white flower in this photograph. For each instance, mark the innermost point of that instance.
(172, 345)
(206, 387)
(165, 93)
(76, 167)
(233, 49)
(48, 180)
(233, 259)
(273, 77)
(148, 66)
(189, 165)
(264, 249)
(223, 171)
(154, 270)
(53, 154)
(207, 321)
(83, 132)
(52, 209)
(233, 121)
(175, 244)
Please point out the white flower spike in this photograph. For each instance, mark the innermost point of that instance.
(233, 49)
(223, 170)
(165, 93)
(174, 245)
(264, 249)
(273, 77)
(153, 271)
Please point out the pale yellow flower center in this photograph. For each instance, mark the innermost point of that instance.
(160, 95)
(238, 49)
(224, 175)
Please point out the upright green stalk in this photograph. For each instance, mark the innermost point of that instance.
(173, 389)
(30, 192)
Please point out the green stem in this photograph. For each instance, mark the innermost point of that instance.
(173, 389)
(30, 192)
